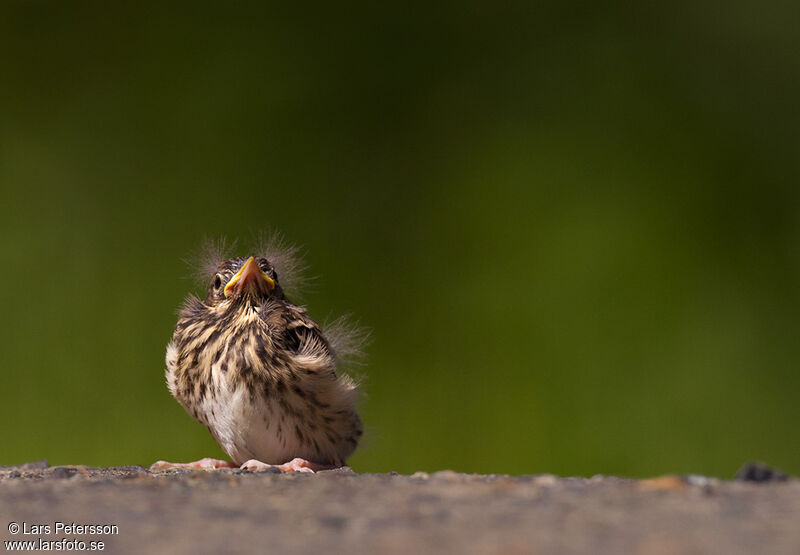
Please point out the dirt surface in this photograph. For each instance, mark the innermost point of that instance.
(233, 511)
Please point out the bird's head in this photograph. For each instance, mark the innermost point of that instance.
(243, 279)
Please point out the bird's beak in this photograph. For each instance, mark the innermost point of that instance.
(250, 273)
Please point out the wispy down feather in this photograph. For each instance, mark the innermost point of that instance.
(287, 260)
(347, 340)
(204, 261)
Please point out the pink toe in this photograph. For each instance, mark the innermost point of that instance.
(204, 464)
(253, 464)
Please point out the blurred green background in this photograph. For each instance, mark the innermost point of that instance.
(573, 230)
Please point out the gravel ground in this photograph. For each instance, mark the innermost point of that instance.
(233, 511)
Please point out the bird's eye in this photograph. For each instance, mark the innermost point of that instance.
(217, 282)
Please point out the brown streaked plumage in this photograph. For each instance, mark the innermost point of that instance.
(261, 374)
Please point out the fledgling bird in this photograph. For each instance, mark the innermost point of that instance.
(260, 374)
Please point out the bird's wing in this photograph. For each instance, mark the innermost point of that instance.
(300, 331)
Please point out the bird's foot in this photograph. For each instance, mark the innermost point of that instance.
(294, 465)
(204, 464)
